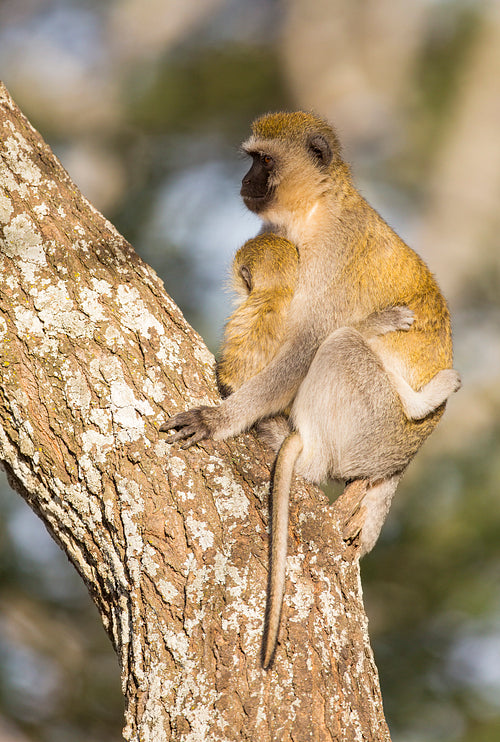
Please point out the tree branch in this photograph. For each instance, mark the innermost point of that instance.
(172, 544)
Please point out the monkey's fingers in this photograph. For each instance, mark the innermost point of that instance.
(176, 421)
(201, 435)
(180, 435)
(191, 426)
(404, 317)
(394, 318)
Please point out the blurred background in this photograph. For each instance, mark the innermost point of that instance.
(145, 102)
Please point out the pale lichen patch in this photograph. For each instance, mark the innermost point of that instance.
(124, 408)
(176, 465)
(41, 210)
(202, 354)
(124, 405)
(330, 607)
(149, 563)
(23, 242)
(195, 589)
(200, 532)
(89, 301)
(194, 685)
(102, 419)
(178, 644)
(135, 314)
(77, 496)
(98, 444)
(302, 598)
(230, 501)
(26, 445)
(27, 322)
(154, 388)
(102, 287)
(6, 208)
(57, 311)
(15, 152)
(169, 353)
(168, 591)
(76, 389)
(113, 337)
(89, 472)
(162, 449)
(130, 494)
(132, 504)
(183, 496)
(246, 617)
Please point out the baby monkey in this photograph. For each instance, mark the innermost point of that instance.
(264, 274)
(360, 403)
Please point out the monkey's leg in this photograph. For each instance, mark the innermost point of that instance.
(348, 413)
(418, 405)
(367, 520)
(349, 417)
(273, 430)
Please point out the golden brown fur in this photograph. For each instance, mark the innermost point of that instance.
(264, 276)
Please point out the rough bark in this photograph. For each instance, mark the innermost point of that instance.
(172, 544)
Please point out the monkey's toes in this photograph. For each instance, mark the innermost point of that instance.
(454, 378)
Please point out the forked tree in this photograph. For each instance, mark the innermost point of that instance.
(172, 544)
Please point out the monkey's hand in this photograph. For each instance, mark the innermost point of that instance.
(386, 320)
(192, 426)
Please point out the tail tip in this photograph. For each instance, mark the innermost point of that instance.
(267, 656)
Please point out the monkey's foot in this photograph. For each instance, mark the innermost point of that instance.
(192, 426)
(351, 514)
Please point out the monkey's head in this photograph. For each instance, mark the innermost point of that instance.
(265, 262)
(294, 159)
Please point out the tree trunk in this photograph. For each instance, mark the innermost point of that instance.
(172, 544)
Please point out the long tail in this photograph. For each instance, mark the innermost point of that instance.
(285, 462)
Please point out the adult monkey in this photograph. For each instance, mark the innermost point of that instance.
(352, 399)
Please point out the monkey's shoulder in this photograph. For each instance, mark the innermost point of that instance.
(397, 274)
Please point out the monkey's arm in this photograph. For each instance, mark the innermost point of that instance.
(386, 320)
(266, 394)
(273, 389)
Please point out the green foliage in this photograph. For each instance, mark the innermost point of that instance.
(209, 87)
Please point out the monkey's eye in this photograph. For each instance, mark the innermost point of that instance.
(267, 161)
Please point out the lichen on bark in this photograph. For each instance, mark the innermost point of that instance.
(172, 544)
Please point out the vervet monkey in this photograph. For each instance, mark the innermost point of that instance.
(354, 411)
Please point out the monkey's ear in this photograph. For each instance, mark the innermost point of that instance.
(320, 149)
(247, 277)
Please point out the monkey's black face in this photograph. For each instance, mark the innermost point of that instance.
(256, 190)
